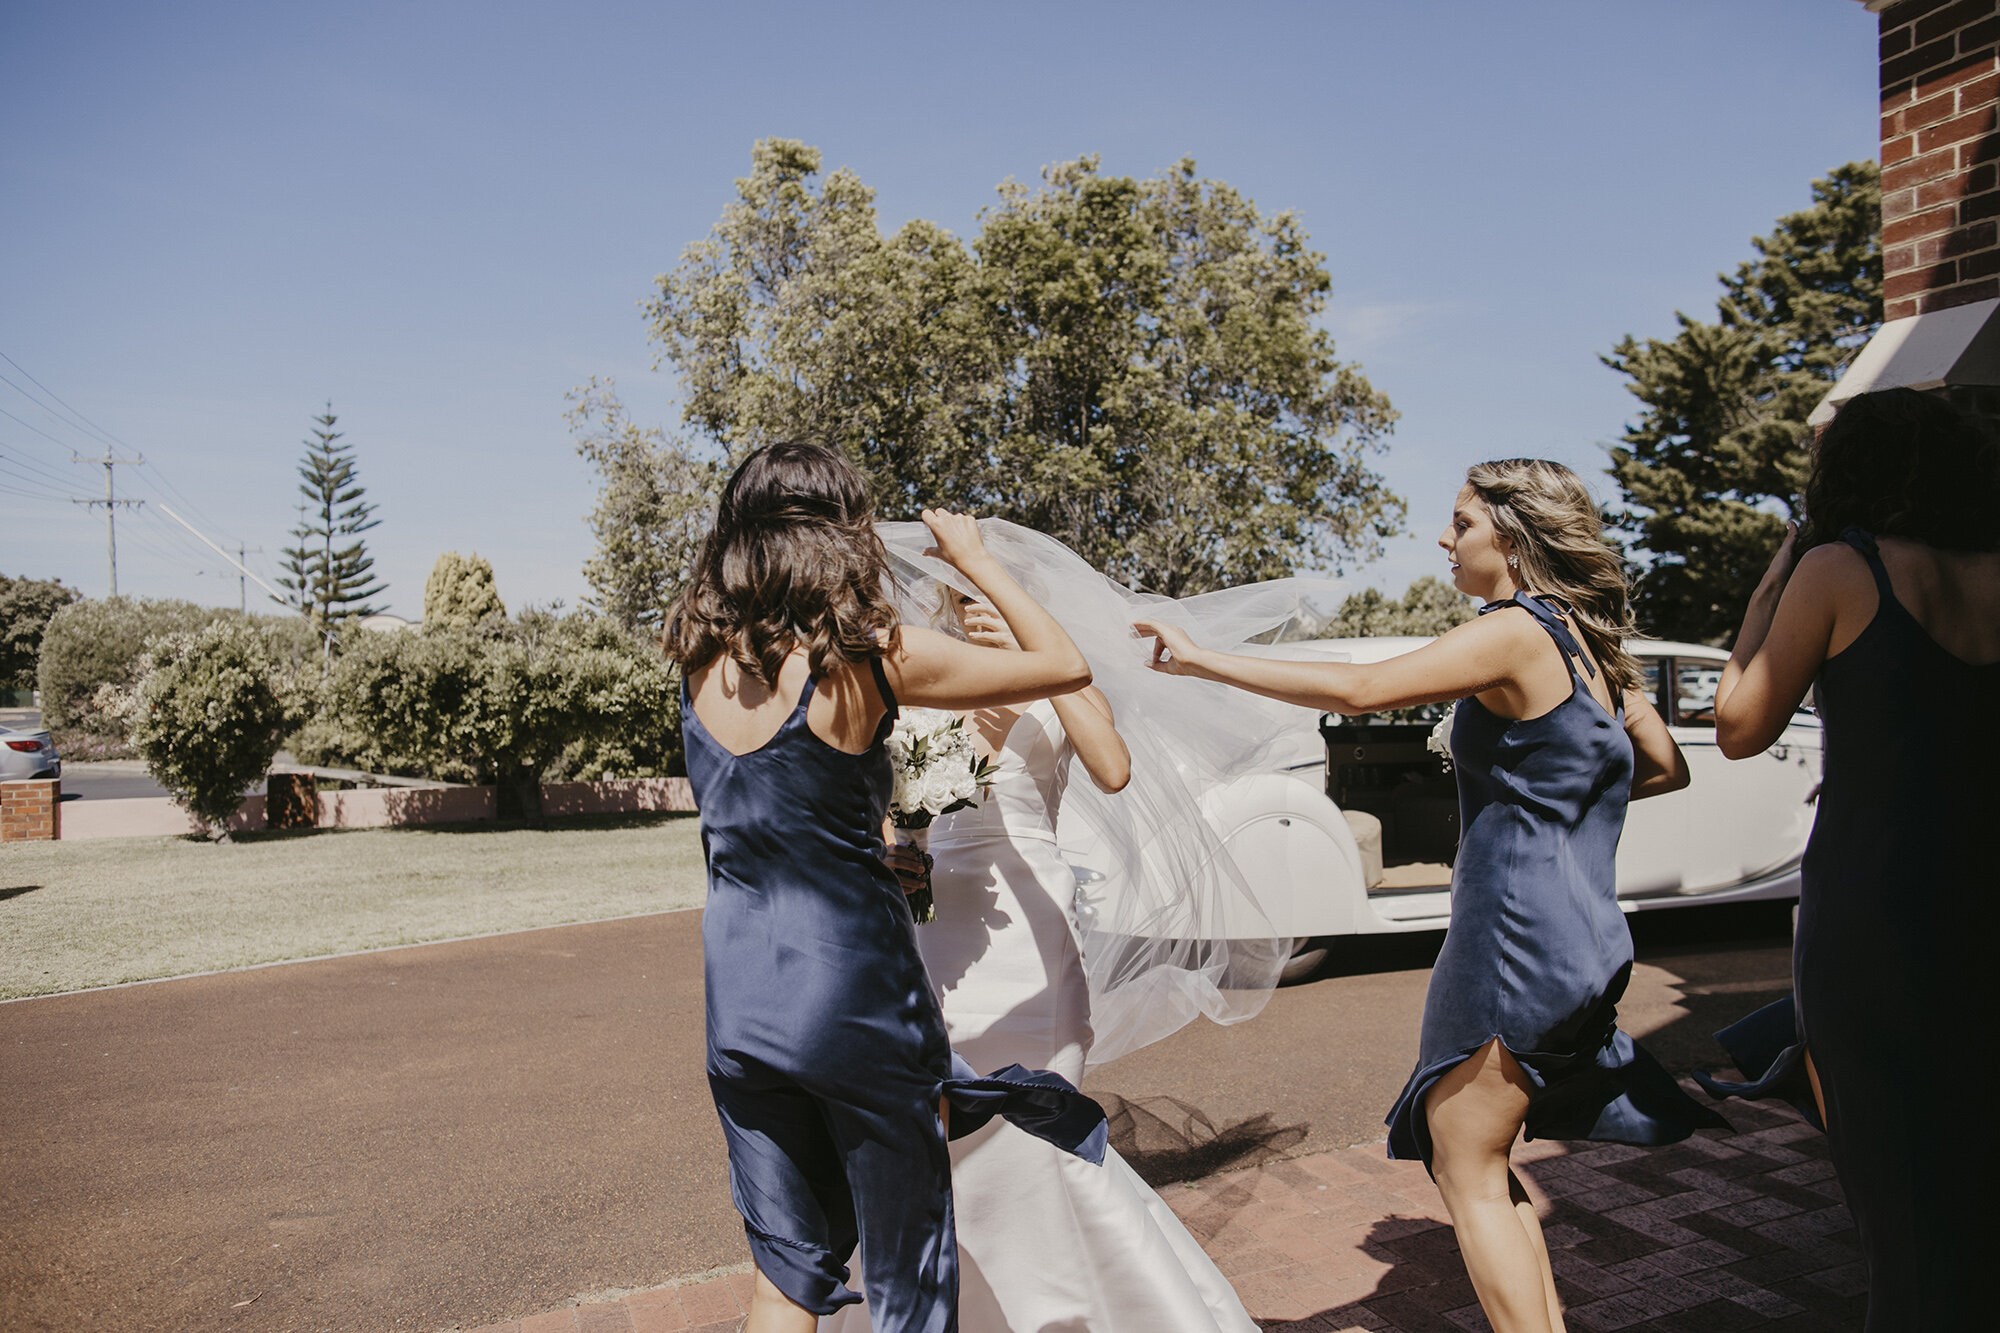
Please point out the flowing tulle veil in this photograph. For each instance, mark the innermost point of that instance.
(1171, 929)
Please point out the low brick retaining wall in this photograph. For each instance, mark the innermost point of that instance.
(31, 811)
(372, 807)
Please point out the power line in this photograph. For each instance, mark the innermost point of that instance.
(87, 422)
(24, 460)
(37, 478)
(93, 436)
(38, 430)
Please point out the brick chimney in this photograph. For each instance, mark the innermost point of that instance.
(1940, 207)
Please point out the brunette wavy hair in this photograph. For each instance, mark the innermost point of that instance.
(1899, 463)
(1546, 511)
(792, 561)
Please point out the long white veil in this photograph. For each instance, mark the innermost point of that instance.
(1170, 928)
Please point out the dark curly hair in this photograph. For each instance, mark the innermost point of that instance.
(792, 561)
(1899, 463)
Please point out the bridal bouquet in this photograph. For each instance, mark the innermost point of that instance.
(937, 770)
(1439, 742)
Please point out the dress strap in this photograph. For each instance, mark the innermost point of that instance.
(890, 711)
(1549, 619)
(1864, 542)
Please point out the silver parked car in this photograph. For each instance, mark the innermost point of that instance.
(28, 754)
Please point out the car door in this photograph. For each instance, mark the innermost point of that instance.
(1746, 816)
(1652, 851)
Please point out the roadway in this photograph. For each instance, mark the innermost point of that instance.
(455, 1134)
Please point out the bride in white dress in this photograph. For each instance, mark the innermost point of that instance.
(1047, 1243)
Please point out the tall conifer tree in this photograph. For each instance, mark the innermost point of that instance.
(327, 575)
(1714, 464)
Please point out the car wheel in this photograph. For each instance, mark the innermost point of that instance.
(1307, 955)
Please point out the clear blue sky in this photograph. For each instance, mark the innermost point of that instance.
(441, 216)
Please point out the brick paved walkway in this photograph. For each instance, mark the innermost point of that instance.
(1742, 1230)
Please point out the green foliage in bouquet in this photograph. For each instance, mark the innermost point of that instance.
(207, 717)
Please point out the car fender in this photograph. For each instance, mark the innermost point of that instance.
(1296, 852)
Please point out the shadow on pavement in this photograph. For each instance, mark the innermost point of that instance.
(1167, 1140)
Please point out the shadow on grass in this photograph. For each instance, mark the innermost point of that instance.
(548, 824)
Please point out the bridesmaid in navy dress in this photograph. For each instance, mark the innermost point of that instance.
(1552, 737)
(1892, 615)
(827, 1055)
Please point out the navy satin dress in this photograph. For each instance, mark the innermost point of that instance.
(826, 1048)
(1899, 913)
(1538, 953)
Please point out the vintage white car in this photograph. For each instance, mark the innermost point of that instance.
(1353, 829)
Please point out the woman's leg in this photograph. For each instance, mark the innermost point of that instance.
(771, 1311)
(1474, 1113)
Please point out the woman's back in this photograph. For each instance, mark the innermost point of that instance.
(1912, 730)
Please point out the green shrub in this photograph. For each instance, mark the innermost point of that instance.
(100, 642)
(207, 718)
(537, 698)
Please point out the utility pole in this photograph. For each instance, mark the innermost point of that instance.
(111, 502)
(242, 580)
(240, 567)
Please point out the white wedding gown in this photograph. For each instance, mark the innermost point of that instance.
(1048, 1243)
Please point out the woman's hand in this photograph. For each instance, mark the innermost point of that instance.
(1173, 651)
(909, 864)
(984, 627)
(1779, 572)
(958, 541)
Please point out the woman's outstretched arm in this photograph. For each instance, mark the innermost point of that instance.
(1478, 656)
(932, 670)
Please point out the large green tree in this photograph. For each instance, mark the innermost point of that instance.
(653, 502)
(1713, 465)
(328, 575)
(26, 606)
(1133, 366)
(1429, 606)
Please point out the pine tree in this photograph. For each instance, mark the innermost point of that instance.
(1714, 464)
(327, 575)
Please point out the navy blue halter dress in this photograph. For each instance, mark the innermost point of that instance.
(1538, 953)
(1899, 914)
(826, 1048)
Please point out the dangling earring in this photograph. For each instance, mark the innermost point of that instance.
(1513, 562)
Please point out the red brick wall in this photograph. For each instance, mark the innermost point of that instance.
(31, 811)
(1940, 148)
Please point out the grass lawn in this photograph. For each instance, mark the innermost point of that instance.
(95, 913)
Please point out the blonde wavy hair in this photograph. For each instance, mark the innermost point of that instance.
(1545, 510)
